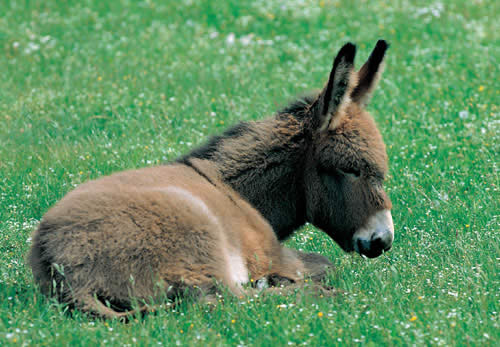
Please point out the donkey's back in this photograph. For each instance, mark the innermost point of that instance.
(150, 233)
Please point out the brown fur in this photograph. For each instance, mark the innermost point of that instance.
(152, 233)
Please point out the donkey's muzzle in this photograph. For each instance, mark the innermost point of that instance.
(374, 247)
(376, 237)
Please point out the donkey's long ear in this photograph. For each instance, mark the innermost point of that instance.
(369, 74)
(336, 92)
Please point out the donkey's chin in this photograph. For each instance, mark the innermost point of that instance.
(376, 236)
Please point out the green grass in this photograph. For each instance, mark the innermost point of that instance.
(92, 87)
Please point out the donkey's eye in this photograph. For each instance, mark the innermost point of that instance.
(349, 172)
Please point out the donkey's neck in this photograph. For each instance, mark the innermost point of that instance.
(262, 161)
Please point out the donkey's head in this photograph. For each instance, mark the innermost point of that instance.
(347, 162)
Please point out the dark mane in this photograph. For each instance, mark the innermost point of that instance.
(299, 107)
(207, 150)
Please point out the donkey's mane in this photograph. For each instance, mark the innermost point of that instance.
(298, 109)
(207, 150)
(300, 106)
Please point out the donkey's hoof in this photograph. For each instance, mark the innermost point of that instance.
(262, 283)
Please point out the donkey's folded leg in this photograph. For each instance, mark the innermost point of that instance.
(312, 266)
(316, 266)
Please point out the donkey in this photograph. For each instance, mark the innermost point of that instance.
(218, 214)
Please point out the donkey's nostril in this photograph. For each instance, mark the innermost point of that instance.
(364, 246)
(377, 242)
(369, 248)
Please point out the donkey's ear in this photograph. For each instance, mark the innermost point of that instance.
(369, 74)
(336, 92)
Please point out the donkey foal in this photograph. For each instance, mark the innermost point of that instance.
(218, 214)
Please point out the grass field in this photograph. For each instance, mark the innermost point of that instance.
(91, 87)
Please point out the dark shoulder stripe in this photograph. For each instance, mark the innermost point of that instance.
(189, 163)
